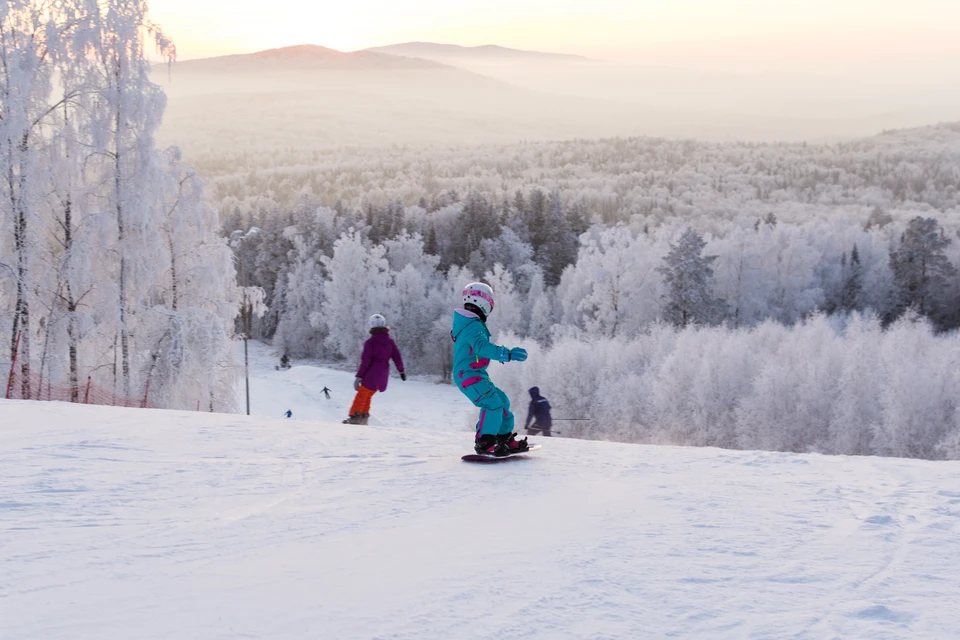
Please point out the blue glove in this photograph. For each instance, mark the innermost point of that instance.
(517, 354)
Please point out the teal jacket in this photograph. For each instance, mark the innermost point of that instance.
(472, 349)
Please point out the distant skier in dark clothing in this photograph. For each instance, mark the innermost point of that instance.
(539, 412)
(326, 392)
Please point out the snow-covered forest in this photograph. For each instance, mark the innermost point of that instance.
(613, 178)
(730, 256)
(111, 264)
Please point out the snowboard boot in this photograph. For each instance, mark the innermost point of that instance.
(364, 417)
(487, 445)
(509, 443)
(356, 418)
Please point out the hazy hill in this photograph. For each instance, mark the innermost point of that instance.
(313, 97)
(302, 57)
(834, 106)
(454, 52)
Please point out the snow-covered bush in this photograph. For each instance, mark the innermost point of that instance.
(823, 385)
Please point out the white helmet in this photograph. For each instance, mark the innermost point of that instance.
(377, 320)
(479, 294)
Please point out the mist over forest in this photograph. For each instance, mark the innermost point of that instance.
(310, 97)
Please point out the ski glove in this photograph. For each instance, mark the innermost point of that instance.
(403, 376)
(356, 384)
(517, 354)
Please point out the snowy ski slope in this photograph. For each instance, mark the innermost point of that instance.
(126, 523)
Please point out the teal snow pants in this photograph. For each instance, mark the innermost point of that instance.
(495, 415)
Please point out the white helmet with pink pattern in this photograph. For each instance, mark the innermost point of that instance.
(480, 295)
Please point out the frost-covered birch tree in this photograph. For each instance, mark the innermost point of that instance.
(355, 287)
(110, 262)
(29, 39)
(126, 110)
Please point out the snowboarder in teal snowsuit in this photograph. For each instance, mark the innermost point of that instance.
(472, 353)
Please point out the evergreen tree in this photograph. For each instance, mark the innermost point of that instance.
(578, 220)
(536, 219)
(852, 289)
(430, 246)
(920, 266)
(520, 204)
(559, 247)
(270, 259)
(232, 222)
(373, 224)
(479, 221)
(688, 275)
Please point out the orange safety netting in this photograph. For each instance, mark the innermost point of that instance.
(34, 387)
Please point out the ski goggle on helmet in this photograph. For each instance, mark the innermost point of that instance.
(376, 320)
(479, 294)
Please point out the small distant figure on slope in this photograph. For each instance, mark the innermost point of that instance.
(374, 371)
(289, 413)
(326, 392)
(284, 362)
(472, 353)
(539, 412)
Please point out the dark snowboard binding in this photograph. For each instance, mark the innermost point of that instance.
(487, 445)
(500, 446)
(509, 443)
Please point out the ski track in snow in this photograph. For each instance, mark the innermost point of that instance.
(119, 523)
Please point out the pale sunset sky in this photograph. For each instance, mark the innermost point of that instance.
(809, 36)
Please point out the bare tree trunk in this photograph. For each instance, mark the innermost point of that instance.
(21, 317)
(72, 347)
(124, 333)
(45, 351)
(173, 272)
(114, 364)
(70, 300)
(23, 303)
(71, 305)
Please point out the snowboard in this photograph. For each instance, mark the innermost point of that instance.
(485, 457)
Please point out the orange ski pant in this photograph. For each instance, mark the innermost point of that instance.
(361, 402)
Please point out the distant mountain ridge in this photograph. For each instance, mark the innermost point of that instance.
(435, 51)
(305, 57)
(316, 97)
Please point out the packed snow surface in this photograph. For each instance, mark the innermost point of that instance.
(127, 523)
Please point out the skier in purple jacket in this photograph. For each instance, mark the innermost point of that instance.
(374, 371)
